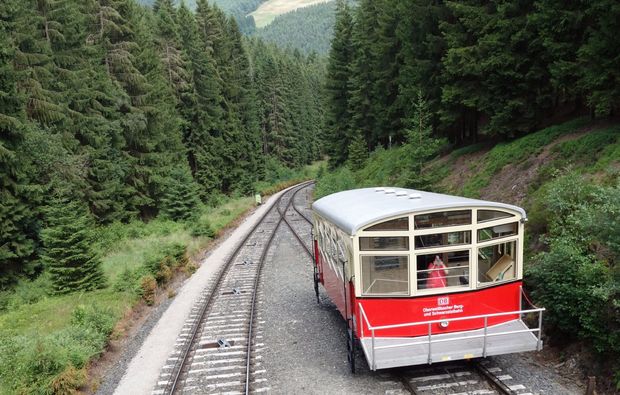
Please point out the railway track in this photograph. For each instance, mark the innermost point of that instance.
(219, 348)
(298, 222)
(467, 378)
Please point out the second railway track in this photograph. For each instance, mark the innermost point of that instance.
(219, 350)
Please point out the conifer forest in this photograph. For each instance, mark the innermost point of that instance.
(486, 69)
(111, 111)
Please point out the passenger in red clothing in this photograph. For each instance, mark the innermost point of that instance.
(437, 274)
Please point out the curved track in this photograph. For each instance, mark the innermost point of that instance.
(298, 221)
(219, 351)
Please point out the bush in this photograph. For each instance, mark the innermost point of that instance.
(93, 317)
(25, 292)
(148, 287)
(128, 281)
(202, 228)
(69, 381)
(340, 180)
(52, 363)
(578, 279)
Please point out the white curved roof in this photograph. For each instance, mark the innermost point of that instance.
(354, 209)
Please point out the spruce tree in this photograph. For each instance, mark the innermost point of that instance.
(68, 252)
(599, 58)
(201, 105)
(181, 198)
(358, 152)
(421, 145)
(17, 219)
(337, 86)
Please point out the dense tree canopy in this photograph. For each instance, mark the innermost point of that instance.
(308, 29)
(484, 68)
(128, 109)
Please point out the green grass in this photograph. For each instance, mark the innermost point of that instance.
(517, 151)
(53, 313)
(593, 152)
(42, 345)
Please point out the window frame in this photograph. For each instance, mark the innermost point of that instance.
(517, 259)
(386, 253)
(413, 253)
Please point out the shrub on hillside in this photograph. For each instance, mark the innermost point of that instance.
(49, 362)
(578, 279)
(202, 228)
(181, 199)
(340, 180)
(25, 292)
(148, 289)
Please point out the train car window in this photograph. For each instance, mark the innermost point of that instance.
(497, 263)
(443, 239)
(383, 275)
(440, 270)
(443, 218)
(492, 215)
(384, 243)
(398, 224)
(498, 231)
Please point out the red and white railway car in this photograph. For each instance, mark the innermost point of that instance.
(423, 277)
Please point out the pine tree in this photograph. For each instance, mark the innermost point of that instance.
(599, 58)
(561, 28)
(387, 110)
(17, 219)
(421, 145)
(68, 252)
(363, 99)
(181, 198)
(337, 86)
(358, 152)
(423, 46)
(201, 105)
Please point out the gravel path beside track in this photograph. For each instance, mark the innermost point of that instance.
(143, 371)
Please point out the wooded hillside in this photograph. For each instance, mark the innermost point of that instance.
(130, 112)
(494, 69)
(308, 29)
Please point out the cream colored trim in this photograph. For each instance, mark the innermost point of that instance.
(442, 229)
(352, 241)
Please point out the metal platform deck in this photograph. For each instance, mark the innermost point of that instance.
(509, 337)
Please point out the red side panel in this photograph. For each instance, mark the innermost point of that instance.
(333, 283)
(390, 311)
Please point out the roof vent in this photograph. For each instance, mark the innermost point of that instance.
(388, 191)
(415, 196)
(401, 193)
(379, 189)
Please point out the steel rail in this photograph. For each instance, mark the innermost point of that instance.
(492, 380)
(297, 236)
(256, 283)
(308, 220)
(474, 365)
(171, 387)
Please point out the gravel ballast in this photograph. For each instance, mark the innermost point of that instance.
(155, 342)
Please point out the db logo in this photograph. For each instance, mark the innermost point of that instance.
(443, 301)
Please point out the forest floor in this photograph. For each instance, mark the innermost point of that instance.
(270, 9)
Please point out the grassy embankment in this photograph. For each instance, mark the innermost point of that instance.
(46, 342)
(567, 177)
